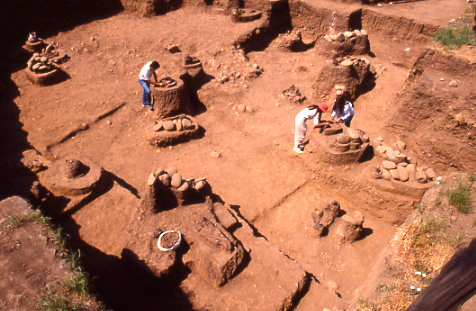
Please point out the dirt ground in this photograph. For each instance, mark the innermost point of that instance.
(257, 172)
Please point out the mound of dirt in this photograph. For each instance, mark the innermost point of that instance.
(437, 111)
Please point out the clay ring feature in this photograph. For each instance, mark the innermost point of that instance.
(175, 246)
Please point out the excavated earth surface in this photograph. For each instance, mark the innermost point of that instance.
(245, 154)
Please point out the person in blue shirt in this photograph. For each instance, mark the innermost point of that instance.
(343, 110)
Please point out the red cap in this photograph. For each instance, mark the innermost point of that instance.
(323, 106)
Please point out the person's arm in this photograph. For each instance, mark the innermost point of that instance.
(348, 111)
(318, 122)
(155, 75)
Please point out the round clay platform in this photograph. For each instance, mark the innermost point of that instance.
(45, 78)
(34, 47)
(245, 15)
(194, 69)
(72, 177)
(171, 100)
(165, 138)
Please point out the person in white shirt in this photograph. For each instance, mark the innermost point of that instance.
(147, 71)
(311, 112)
(343, 110)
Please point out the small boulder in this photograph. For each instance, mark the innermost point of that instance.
(385, 174)
(159, 126)
(171, 171)
(184, 187)
(453, 83)
(169, 126)
(411, 169)
(200, 185)
(343, 139)
(187, 124)
(402, 164)
(215, 154)
(165, 179)
(394, 174)
(176, 180)
(381, 149)
(421, 177)
(401, 146)
(241, 107)
(402, 173)
(353, 133)
(389, 165)
(430, 173)
(178, 124)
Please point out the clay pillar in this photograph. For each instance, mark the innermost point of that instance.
(170, 101)
(151, 197)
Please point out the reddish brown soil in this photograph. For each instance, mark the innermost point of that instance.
(257, 171)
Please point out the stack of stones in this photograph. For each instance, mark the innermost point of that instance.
(350, 141)
(41, 64)
(291, 40)
(293, 94)
(173, 179)
(398, 166)
(346, 35)
(181, 123)
(324, 216)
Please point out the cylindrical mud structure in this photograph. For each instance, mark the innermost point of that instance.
(171, 99)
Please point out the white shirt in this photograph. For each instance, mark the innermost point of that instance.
(346, 112)
(307, 114)
(145, 72)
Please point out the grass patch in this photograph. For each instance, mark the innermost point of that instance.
(455, 37)
(54, 301)
(460, 198)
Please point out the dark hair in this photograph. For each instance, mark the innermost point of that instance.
(312, 107)
(340, 100)
(155, 64)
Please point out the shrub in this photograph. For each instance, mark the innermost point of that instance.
(460, 198)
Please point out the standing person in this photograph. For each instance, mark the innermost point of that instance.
(343, 110)
(147, 71)
(311, 112)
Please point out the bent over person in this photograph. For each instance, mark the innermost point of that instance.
(311, 112)
(147, 71)
(343, 110)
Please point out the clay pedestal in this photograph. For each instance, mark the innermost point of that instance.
(171, 100)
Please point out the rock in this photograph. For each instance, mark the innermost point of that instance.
(346, 63)
(365, 138)
(411, 169)
(430, 173)
(165, 179)
(328, 38)
(381, 149)
(241, 107)
(184, 187)
(178, 124)
(169, 126)
(394, 174)
(403, 164)
(172, 48)
(35, 67)
(453, 83)
(215, 154)
(43, 59)
(351, 228)
(176, 180)
(363, 32)
(401, 145)
(402, 173)
(385, 174)
(388, 165)
(348, 34)
(171, 171)
(421, 177)
(407, 50)
(357, 32)
(200, 185)
(343, 139)
(248, 109)
(159, 126)
(340, 37)
(396, 157)
(187, 124)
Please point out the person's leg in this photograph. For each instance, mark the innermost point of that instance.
(347, 122)
(146, 93)
(299, 134)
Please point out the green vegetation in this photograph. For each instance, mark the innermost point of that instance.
(455, 37)
(54, 301)
(460, 198)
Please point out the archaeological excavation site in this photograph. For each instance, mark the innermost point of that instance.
(229, 155)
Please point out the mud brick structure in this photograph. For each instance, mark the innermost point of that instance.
(173, 130)
(351, 74)
(34, 45)
(335, 148)
(343, 43)
(171, 99)
(245, 15)
(71, 177)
